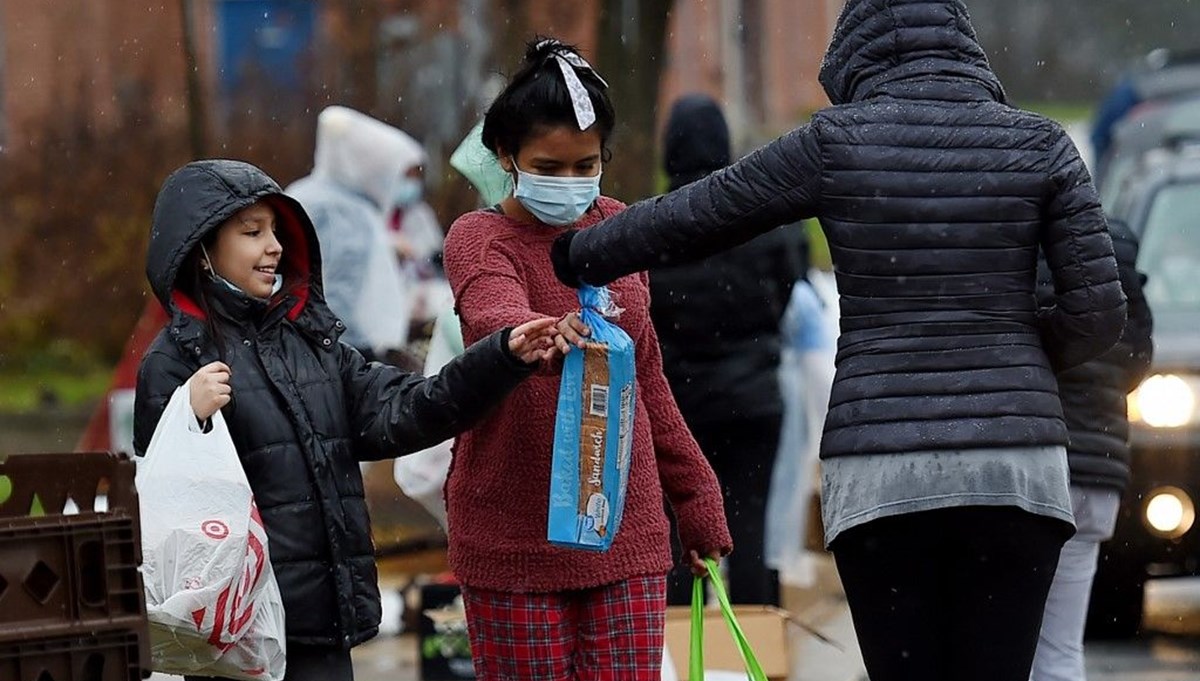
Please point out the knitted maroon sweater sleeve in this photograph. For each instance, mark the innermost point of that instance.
(489, 289)
(686, 477)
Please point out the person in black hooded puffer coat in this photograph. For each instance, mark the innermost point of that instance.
(236, 264)
(1094, 405)
(718, 324)
(945, 490)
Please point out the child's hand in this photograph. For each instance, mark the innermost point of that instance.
(533, 341)
(210, 389)
(695, 562)
(571, 331)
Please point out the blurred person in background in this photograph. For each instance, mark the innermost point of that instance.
(422, 476)
(718, 324)
(1093, 400)
(417, 238)
(1161, 75)
(362, 170)
(806, 365)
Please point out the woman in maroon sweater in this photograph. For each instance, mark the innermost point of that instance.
(536, 611)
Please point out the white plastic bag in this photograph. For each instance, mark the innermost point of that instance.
(422, 475)
(211, 596)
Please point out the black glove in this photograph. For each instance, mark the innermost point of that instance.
(560, 257)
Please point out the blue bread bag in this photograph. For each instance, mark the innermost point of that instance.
(593, 432)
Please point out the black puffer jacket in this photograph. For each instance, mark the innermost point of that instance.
(718, 319)
(306, 408)
(935, 196)
(1093, 394)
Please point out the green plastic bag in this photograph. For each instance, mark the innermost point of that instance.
(696, 656)
(481, 168)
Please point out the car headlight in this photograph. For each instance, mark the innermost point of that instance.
(1164, 401)
(1169, 512)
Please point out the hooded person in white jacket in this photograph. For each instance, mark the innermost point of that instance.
(364, 172)
(422, 475)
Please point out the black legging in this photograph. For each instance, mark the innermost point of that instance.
(952, 594)
(742, 454)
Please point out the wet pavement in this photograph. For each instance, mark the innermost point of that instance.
(1170, 652)
(1157, 658)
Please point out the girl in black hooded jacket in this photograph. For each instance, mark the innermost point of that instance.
(236, 265)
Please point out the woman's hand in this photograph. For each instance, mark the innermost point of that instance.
(571, 331)
(695, 562)
(210, 389)
(533, 341)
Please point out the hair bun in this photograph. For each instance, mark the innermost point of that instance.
(553, 86)
(541, 48)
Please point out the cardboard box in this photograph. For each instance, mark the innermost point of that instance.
(766, 628)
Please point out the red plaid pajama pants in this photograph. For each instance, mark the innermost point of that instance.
(610, 632)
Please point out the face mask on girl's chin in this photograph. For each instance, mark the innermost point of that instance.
(275, 288)
(557, 201)
(212, 274)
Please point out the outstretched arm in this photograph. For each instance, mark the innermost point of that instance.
(777, 184)
(395, 412)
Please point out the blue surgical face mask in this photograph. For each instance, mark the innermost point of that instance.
(212, 274)
(407, 191)
(557, 201)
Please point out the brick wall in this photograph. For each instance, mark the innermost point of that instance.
(89, 63)
(760, 58)
(101, 61)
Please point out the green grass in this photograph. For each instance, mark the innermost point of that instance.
(26, 391)
(1063, 112)
(818, 248)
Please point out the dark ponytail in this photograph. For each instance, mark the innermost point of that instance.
(537, 96)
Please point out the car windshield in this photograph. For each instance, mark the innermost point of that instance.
(1170, 254)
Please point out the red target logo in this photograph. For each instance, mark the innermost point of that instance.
(214, 529)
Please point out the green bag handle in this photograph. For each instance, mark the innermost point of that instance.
(696, 656)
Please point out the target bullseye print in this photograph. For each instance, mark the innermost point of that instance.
(215, 529)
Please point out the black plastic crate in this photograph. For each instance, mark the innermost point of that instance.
(112, 656)
(70, 575)
(61, 575)
(55, 479)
